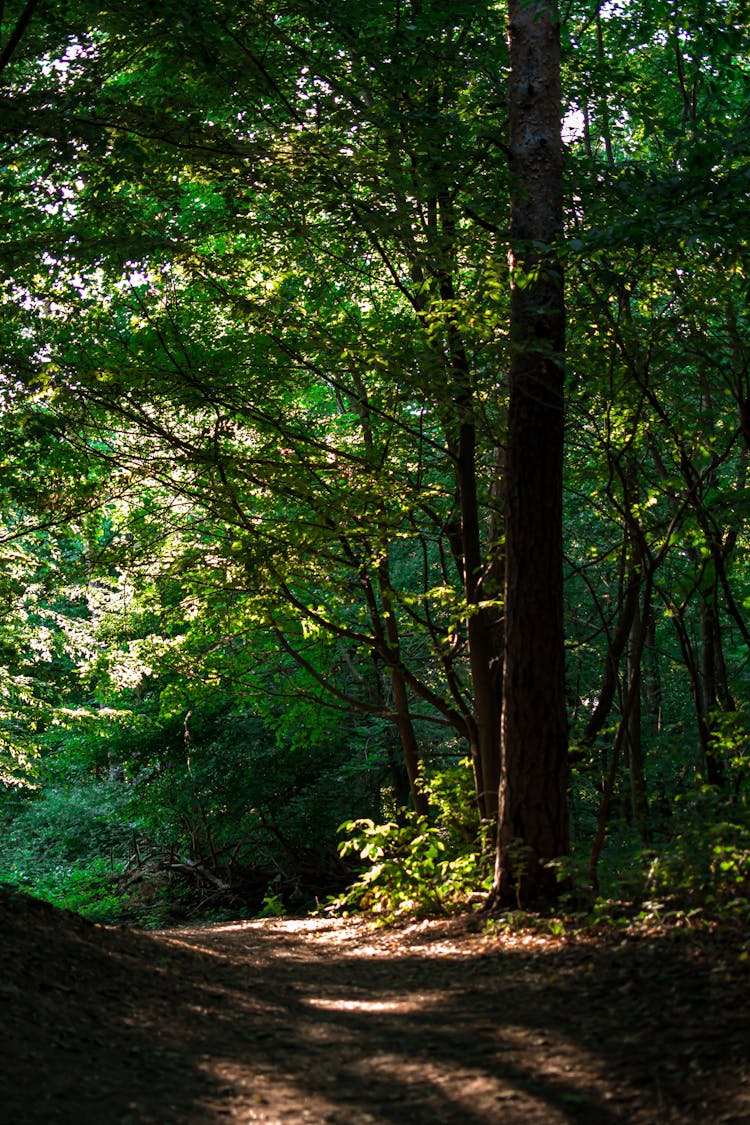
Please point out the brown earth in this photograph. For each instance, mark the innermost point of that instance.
(328, 1021)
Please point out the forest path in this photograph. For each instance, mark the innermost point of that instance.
(325, 1021)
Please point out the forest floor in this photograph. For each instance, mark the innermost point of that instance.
(330, 1021)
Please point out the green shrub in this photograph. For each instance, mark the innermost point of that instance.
(414, 868)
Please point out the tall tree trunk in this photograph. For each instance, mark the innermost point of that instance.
(533, 812)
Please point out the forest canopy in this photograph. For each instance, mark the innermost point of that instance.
(319, 507)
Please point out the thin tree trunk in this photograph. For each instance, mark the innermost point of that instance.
(404, 724)
(638, 788)
(638, 641)
(692, 662)
(605, 125)
(396, 761)
(653, 695)
(715, 688)
(479, 631)
(615, 648)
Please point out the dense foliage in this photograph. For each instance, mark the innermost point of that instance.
(254, 387)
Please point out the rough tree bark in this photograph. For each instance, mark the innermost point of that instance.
(533, 813)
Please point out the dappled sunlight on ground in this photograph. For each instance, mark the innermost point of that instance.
(417, 1003)
(333, 1022)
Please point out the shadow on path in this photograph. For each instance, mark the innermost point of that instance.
(328, 1022)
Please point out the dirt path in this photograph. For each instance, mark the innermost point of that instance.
(330, 1022)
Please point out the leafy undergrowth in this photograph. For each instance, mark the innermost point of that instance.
(76, 848)
(698, 878)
